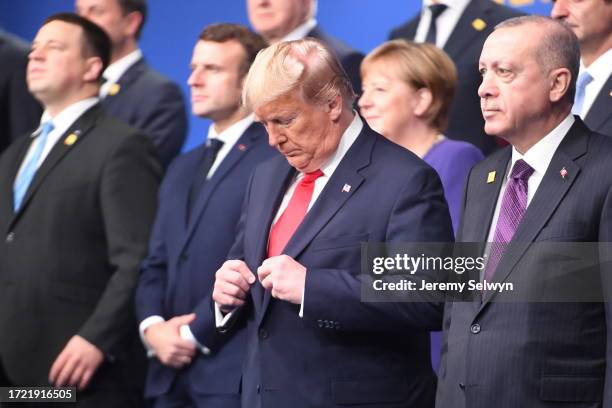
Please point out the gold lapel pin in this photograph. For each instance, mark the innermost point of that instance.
(491, 177)
(479, 24)
(70, 139)
(114, 89)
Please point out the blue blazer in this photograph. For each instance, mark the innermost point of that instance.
(599, 116)
(343, 351)
(152, 103)
(518, 354)
(179, 271)
(464, 47)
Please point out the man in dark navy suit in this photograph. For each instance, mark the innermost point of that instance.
(294, 272)
(591, 21)
(282, 20)
(460, 28)
(552, 185)
(200, 204)
(132, 91)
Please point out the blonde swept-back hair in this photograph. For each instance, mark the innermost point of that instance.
(304, 65)
(419, 66)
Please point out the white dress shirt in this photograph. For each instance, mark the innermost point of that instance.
(346, 141)
(538, 157)
(114, 71)
(300, 31)
(445, 23)
(600, 70)
(61, 122)
(229, 137)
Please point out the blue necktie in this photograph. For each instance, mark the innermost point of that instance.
(432, 33)
(583, 80)
(23, 180)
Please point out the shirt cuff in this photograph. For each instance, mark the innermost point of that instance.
(187, 334)
(221, 319)
(144, 325)
(302, 302)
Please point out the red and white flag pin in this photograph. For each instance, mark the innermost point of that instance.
(563, 173)
(242, 147)
(346, 188)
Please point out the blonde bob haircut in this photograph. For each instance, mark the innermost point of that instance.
(305, 65)
(419, 66)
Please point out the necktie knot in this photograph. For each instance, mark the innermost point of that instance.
(583, 80)
(312, 176)
(521, 170)
(47, 127)
(437, 9)
(214, 144)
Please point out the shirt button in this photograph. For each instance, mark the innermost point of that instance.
(475, 329)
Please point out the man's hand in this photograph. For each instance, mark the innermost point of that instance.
(170, 348)
(76, 364)
(232, 285)
(284, 277)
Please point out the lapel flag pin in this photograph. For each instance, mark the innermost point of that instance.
(114, 89)
(491, 177)
(563, 173)
(479, 24)
(346, 188)
(242, 147)
(70, 139)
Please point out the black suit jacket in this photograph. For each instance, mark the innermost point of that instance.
(536, 354)
(69, 256)
(152, 103)
(19, 111)
(599, 116)
(464, 47)
(349, 57)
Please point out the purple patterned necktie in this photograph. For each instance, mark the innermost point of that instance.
(513, 205)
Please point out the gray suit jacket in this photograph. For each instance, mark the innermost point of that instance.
(538, 354)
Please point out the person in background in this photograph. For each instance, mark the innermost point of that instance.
(285, 20)
(133, 92)
(408, 90)
(591, 21)
(19, 111)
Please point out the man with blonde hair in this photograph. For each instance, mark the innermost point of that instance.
(294, 272)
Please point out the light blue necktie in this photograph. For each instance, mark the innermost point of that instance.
(29, 169)
(583, 80)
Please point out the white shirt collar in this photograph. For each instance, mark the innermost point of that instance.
(63, 120)
(458, 5)
(114, 71)
(601, 67)
(301, 31)
(346, 141)
(231, 135)
(541, 153)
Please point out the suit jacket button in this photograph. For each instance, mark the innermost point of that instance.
(475, 329)
(10, 237)
(462, 386)
(263, 333)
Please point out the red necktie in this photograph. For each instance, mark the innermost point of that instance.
(292, 217)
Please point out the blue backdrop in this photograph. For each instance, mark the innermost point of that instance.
(173, 27)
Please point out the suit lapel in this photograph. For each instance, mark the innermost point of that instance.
(332, 198)
(600, 110)
(468, 27)
(79, 129)
(238, 151)
(549, 195)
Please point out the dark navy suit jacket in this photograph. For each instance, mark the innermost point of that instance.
(349, 57)
(152, 103)
(464, 46)
(599, 116)
(343, 352)
(537, 354)
(179, 272)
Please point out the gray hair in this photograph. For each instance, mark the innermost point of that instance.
(558, 47)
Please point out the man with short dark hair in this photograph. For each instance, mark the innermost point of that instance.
(132, 91)
(591, 21)
(77, 205)
(200, 203)
(545, 343)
